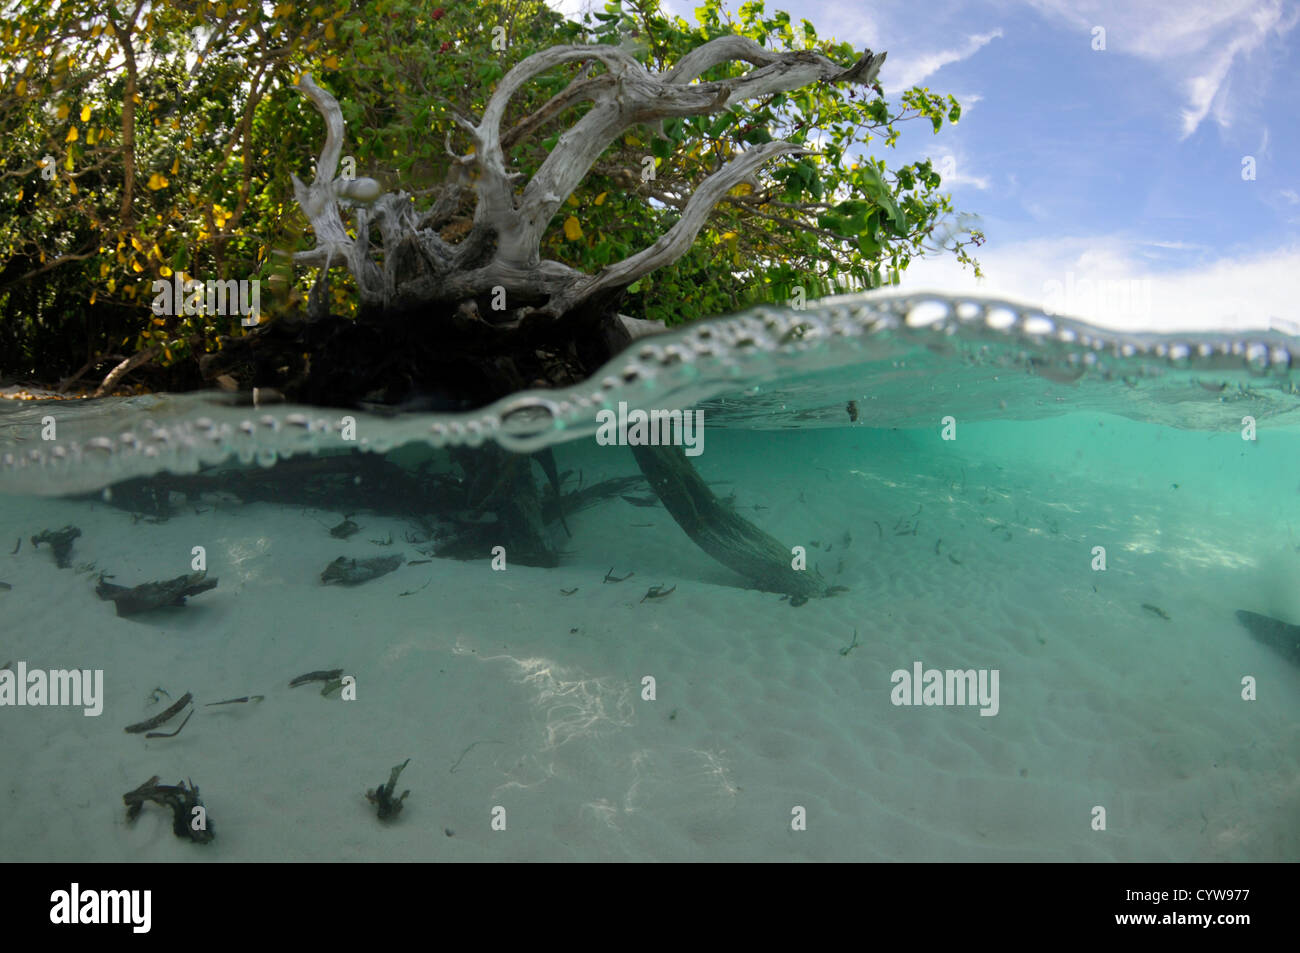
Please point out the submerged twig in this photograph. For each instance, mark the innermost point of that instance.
(185, 806)
(161, 718)
(172, 734)
(657, 592)
(389, 807)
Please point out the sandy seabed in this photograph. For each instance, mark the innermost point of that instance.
(506, 694)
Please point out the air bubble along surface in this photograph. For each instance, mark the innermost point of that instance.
(1001, 359)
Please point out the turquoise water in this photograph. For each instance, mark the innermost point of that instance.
(976, 489)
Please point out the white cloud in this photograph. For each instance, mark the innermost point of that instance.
(956, 170)
(901, 73)
(1105, 281)
(1198, 41)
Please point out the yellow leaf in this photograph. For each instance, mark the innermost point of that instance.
(85, 114)
(600, 199)
(21, 88)
(93, 294)
(160, 321)
(62, 111)
(573, 200)
(157, 252)
(572, 230)
(329, 31)
(176, 166)
(72, 186)
(135, 266)
(135, 243)
(331, 62)
(90, 137)
(72, 135)
(157, 182)
(165, 271)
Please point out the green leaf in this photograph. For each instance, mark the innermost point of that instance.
(876, 187)
(723, 123)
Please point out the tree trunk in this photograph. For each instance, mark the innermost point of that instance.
(718, 530)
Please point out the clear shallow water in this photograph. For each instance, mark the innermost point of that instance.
(1120, 687)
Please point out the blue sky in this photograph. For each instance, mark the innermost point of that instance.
(1109, 183)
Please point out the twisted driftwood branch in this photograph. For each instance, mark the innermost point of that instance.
(502, 246)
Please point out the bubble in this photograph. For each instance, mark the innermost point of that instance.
(926, 313)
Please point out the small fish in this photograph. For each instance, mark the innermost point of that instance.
(1058, 374)
(610, 577)
(852, 645)
(327, 675)
(5, 586)
(568, 592)
(1156, 610)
